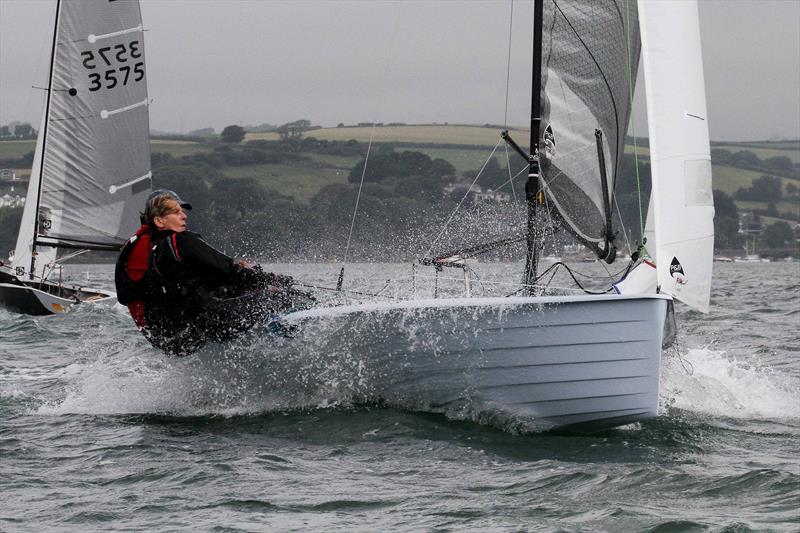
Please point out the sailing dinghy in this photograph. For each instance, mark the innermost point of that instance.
(579, 362)
(91, 168)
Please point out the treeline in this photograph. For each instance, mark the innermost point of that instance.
(17, 131)
(26, 161)
(779, 165)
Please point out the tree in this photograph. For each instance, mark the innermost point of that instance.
(726, 221)
(385, 163)
(746, 158)
(232, 134)
(442, 168)
(791, 189)
(781, 164)
(24, 131)
(293, 130)
(778, 235)
(763, 189)
(720, 156)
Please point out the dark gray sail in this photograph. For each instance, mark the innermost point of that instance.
(590, 56)
(96, 158)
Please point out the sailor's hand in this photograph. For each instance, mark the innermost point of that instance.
(245, 263)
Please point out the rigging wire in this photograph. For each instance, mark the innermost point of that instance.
(387, 65)
(508, 66)
(358, 196)
(508, 85)
(466, 194)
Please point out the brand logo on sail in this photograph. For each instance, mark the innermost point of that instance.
(675, 267)
(549, 139)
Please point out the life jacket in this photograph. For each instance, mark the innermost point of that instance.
(172, 283)
(130, 274)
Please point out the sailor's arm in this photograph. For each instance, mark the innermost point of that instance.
(199, 254)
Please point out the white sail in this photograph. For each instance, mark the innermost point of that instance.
(91, 170)
(682, 210)
(22, 252)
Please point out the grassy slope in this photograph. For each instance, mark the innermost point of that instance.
(763, 151)
(15, 149)
(300, 182)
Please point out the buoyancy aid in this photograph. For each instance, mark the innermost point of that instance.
(130, 274)
(183, 293)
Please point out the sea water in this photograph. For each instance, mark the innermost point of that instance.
(99, 431)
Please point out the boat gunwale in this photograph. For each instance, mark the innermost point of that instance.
(469, 303)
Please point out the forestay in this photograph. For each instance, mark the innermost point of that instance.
(682, 205)
(589, 67)
(95, 159)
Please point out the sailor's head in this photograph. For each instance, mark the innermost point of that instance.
(164, 210)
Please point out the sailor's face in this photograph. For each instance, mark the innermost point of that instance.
(174, 219)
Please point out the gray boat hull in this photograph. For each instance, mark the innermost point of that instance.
(582, 363)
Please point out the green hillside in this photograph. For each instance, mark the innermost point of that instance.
(463, 146)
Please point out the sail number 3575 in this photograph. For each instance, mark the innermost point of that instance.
(116, 56)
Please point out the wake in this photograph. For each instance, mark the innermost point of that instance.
(713, 383)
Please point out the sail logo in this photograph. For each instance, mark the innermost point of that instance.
(675, 267)
(549, 139)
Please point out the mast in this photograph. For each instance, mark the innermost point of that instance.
(533, 185)
(44, 140)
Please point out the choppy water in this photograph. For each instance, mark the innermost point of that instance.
(99, 431)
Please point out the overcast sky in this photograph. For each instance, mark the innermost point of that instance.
(211, 63)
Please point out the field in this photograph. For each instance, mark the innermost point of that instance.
(300, 182)
(176, 148)
(729, 179)
(765, 150)
(16, 149)
(782, 207)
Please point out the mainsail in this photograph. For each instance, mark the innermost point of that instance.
(93, 150)
(590, 57)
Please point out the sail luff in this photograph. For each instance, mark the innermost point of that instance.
(25, 251)
(24, 248)
(682, 212)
